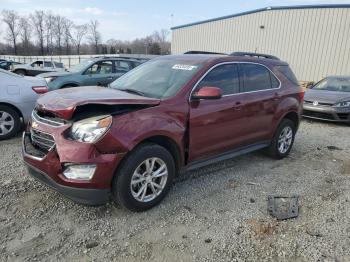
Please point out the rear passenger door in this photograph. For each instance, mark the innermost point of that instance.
(261, 98)
(216, 125)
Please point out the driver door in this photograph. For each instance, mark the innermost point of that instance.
(216, 125)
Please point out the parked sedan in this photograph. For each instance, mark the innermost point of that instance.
(329, 100)
(38, 67)
(18, 96)
(97, 71)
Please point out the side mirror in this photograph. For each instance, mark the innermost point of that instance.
(207, 92)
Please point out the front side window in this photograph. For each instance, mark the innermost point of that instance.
(257, 77)
(101, 68)
(158, 78)
(225, 77)
(37, 64)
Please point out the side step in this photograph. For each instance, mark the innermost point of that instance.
(226, 155)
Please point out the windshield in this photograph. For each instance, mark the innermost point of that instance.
(334, 84)
(159, 78)
(83, 64)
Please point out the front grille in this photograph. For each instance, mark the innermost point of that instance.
(47, 118)
(319, 103)
(343, 116)
(318, 115)
(42, 140)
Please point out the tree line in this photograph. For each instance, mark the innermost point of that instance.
(45, 33)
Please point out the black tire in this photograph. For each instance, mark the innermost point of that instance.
(21, 72)
(121, 185)
(273, 150)
(17, 122)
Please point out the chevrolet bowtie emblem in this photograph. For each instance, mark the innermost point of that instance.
(315, 103)
(34, 125)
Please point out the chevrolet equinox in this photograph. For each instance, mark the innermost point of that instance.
(128, 142)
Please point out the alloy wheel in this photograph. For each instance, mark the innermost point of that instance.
(7, 123)
(149, 179)
(285, 140)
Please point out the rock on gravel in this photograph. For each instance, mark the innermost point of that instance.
(217, 213)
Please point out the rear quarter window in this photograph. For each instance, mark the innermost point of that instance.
(288, 73)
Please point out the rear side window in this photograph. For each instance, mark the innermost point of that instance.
(225, 77)
(58, 65)
(258, 77)
(287, 72)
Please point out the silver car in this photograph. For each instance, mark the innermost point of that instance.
(18, 95)
(329, 100)
(38, 67)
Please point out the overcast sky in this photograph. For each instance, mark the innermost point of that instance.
(128, 19)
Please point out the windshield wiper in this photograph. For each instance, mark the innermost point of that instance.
(133, 91)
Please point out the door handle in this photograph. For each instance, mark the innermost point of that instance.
(237, 106)
(277, 97)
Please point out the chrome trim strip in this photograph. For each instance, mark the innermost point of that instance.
(25, 152)
(228, 63)
(37, 118)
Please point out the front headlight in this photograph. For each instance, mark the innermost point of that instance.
(91, 129)
(50, 79)
(343, 104)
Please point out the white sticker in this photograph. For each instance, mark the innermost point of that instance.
(184, 67)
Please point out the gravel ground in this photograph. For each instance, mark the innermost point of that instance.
(218, 213)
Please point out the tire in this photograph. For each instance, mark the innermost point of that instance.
(10, 122)
(21, 72)
(124, 193)
(276, 150)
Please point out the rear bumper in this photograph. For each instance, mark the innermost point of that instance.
(91, 197)
(326, 113)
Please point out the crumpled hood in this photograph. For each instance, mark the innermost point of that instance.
(324, 96)
(64, 102)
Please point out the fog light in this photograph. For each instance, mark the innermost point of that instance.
(79, 172)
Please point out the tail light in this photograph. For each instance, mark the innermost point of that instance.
(40, 89)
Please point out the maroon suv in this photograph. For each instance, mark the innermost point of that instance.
(130, 140)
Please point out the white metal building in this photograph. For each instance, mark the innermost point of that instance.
(314, 40)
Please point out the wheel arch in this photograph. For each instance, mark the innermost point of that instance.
(13, 107)
(293, 116)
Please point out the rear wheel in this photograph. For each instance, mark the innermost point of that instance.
(10, 122)
(144, 178)
(283, 139)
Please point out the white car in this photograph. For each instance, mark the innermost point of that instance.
(18, 95)
(38, 67)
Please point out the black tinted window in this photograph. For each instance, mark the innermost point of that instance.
(256, 77)
(287, 72)
(224, 77)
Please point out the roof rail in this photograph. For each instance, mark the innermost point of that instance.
(254, 55)
(202, 53)
(122, 57)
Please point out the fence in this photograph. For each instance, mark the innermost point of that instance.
(68, 60)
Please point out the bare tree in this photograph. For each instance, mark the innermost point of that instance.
(38, 20)
(12, 19)
(26, 30)
(67, 28)
(94, 35)
(49, 34)
(58, 30)
(78, 33)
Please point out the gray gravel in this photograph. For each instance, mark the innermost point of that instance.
(218, 213)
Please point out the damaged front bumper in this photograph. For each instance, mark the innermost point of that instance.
(47, 164)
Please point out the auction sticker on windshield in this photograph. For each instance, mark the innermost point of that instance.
(184, 67)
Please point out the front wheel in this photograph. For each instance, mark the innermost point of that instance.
(144, 178)
(283, 139)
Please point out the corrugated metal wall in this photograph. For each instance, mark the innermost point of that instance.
(315, 42)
